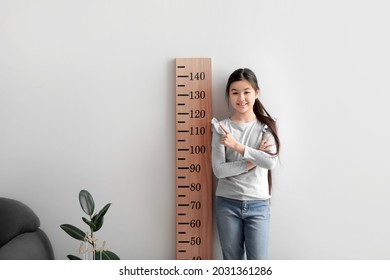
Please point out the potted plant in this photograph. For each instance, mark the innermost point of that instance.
(95, 222)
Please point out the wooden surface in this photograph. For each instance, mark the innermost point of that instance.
(193, 159)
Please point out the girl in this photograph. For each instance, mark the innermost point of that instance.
(244, 149)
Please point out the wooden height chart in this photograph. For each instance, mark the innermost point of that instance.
(193, 159)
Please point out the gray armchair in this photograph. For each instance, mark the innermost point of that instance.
(20, 235)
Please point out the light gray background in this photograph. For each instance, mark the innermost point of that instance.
(87, 101)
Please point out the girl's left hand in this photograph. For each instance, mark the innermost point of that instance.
(227, 138)
(230, 142)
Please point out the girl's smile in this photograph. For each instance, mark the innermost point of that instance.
(242, 97)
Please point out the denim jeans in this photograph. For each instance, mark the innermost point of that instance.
(243, 228)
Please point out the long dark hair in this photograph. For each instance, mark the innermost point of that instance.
(261, 113)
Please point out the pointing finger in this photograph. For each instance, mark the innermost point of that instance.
(224, 129)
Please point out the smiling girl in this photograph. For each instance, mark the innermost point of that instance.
(245, 148)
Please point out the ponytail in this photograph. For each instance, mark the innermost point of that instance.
(264, 117)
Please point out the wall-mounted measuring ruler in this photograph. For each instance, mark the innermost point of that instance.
(193, 159)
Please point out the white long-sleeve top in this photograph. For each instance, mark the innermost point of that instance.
(235, 180)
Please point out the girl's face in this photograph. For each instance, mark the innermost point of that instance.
(242, 97)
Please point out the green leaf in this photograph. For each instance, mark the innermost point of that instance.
(97, 256)
(106, 255)
(72, 257)
(73, 231)
(89, 223)
(86, 201)
(99, 224)
(98, 218)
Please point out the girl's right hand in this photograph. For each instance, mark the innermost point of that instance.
(265, 146)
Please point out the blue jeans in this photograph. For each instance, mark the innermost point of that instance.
(243, 227)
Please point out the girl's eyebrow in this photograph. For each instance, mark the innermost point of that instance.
(237, 89)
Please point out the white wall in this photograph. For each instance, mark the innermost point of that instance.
(87, 101)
